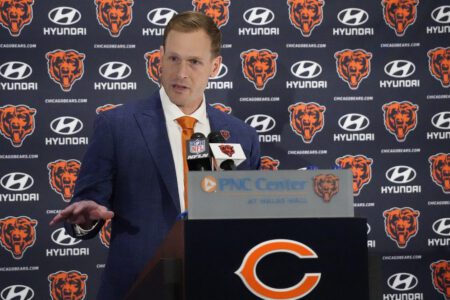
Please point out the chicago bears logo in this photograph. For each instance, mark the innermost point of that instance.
(269, 164)
(114, 15)
(439, 65)
(62, 175)
(400, 118)
(105, 233)
(65, 67)
(440, 170)
(67, 285)
(441, 277)
(361, 167)
(248, 270)
(17, 123)
(259, 66)
(153, 59)
(326, 186)
(222, 107)
(399, 14)
(401, 224)
(227, 150)
(353, 66)
(106, 107)
(215, 9)
(15, 14)
(305, 15)
(306, 119)
(17, 234)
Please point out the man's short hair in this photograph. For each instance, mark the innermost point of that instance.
(190, 21)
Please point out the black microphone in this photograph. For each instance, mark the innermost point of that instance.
(198, 153)
(215, 137)
(227, 156)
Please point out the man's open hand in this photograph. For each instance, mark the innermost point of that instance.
(83, 213)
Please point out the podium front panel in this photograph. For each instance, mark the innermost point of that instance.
(320, 258)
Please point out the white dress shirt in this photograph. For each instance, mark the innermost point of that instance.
(174, 131)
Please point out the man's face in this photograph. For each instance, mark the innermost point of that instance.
(186, 65)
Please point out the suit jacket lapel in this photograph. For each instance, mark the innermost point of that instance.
(152, 123)
(216, 120)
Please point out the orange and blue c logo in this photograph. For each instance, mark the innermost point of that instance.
(247, 270)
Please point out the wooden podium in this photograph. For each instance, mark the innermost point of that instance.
(308, 258)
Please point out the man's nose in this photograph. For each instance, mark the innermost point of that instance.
(182, 71)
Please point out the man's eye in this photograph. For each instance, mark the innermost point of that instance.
(195, 62)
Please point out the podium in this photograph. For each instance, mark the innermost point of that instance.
(200, 259)
(259, 258)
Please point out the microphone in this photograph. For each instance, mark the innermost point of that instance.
(215, 137)
(227, 156)
(197, 153)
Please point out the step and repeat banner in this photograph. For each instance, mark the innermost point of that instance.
(360, 85)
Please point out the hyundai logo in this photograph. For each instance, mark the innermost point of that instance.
(353, 16)
(400, 174)
(259, 16)
(160, 16)
(442, 226)
(306, 69)
(353, 122)
(402, 282)
(399, 68)
(441, 14)
(15, 70)
(64, 15)
(16, 182)
(66, 125)
(115, 70)
(441, 120)
(60, 237)
(262, 123)
(17, 292)
(222, 72)
(369, 229)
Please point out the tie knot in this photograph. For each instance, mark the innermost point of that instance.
(187, 122)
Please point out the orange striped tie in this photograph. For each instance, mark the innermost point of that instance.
(187, 124)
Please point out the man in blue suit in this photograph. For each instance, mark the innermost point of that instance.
(133, 170)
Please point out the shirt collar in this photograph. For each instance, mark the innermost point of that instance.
(173, 112)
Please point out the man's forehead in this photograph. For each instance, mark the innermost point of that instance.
(179, 54)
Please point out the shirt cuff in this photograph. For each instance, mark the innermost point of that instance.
(80, 231)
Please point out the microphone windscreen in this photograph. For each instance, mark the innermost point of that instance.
(216, 137)
(197, 135)
(198, 153)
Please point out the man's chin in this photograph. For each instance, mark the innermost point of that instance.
(178, 98)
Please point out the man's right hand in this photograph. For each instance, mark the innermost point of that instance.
(84, 213)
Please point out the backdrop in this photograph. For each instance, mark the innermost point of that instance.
(327, 84)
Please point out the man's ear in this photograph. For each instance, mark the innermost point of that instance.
(217, 62)
(161, 54)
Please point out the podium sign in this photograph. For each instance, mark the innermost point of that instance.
(277, 259)
(280, 194)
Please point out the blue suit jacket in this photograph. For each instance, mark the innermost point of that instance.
(129, 168)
